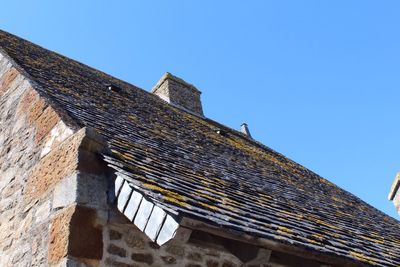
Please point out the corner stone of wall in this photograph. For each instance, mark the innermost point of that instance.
(75, 233)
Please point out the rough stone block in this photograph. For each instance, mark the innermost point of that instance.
(69, 228)
(114, 235)
(92, 190)
(195, 256)
(59, 235)
(57, 135)
(58, 164)
(45, 123)
(115, 250)
(7, 79)
(65, 192)
(83, 189)
(114, 263)
(43, 212)
(229, 264)
(212, 263)
(133, 239)
(83, 226)
(177, 250)
(143, 257)
(168, 259)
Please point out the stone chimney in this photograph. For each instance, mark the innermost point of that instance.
(179, 93)
(394, 194)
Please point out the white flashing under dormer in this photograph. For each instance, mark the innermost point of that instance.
(155, 222)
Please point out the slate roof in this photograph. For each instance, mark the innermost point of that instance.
(182, 163)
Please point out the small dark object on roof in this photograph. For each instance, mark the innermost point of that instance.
(114, 88)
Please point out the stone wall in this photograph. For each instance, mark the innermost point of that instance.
(23, 222)
(126, 246)
(49, 197)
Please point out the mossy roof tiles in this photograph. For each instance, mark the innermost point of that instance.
(181, 162)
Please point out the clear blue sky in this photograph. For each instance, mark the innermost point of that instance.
(318, 81)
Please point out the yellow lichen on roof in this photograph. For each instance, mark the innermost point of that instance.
(167, 194)
(290, 214)
(284, 230)
(318, 236)
(326, 224)
(362, 257)
(373, 240)
(208, 206)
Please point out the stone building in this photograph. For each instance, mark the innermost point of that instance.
(97, 172)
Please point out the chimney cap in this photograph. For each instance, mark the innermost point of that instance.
(179, 93)
(395, 187)
(245, 129)
(168, 76)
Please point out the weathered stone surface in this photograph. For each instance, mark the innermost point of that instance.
(58, 164)
(45, 123)
(212, 263)
(23, 239)
(77, 262)
(73, 232)
(57, 135)
(170, 254)
(168, 259)
(43, 212)
(133, 240)
(115, 250)
(92, 190)
(229, 264)
(39, 114)
(37, 152)
(59, 235)
(154, 245)
(39, 245)
(65, 192)
(6, 79)
(194, 256)
(83, 226)
(142, 257)
(114, 235)
(178, 250)
(115, 263)
(81, 188)
(178, 92)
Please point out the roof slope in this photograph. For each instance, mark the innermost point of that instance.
(182, 163)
